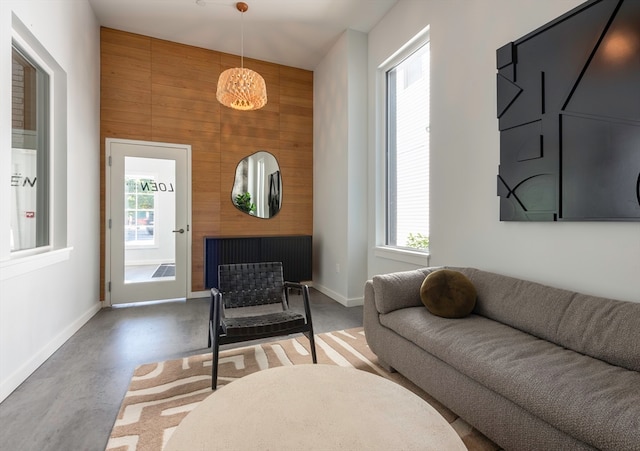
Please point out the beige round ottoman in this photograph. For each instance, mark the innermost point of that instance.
(313, 407)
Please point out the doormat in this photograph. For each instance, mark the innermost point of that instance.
(165, 270)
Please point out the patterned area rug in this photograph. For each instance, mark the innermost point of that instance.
(162, 394)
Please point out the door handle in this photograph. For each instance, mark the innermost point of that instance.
(178, 231)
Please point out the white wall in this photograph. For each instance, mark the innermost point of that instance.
(357, 167)
(43, 301)
(599, 258)
(339, 165)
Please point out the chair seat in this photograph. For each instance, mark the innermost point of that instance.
(263, 324)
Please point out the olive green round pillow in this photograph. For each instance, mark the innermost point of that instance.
(448, 293)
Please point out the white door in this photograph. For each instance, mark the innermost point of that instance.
(148, 237)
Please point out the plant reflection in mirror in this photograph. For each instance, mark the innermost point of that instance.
(243, 202)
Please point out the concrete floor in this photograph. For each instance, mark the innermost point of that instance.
(70, 403)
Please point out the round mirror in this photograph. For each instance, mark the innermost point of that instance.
(257, 188)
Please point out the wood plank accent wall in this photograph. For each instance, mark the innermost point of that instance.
(155, 90)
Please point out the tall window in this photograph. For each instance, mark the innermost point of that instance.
(29, 153)
(407, 149)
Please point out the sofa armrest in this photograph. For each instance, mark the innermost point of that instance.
(399, 289)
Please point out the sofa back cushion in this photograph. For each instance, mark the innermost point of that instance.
(528, 306)
(602, 328)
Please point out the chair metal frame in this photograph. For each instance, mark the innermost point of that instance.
(248, 285)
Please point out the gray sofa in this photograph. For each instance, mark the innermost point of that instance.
(533, 367)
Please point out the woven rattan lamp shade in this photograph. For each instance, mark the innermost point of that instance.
(242, 89)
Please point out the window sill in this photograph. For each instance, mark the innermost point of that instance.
(24, 265)
(403, 255)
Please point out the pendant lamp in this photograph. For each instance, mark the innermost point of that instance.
(241, 88)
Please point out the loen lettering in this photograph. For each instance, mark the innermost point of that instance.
(155, 187)
(22, 181)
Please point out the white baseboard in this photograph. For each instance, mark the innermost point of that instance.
(347, 302)
(12, 382)
(198, 294)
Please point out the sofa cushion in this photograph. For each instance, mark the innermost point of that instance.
(586, 398)
(531, 307)
(448, 293)
(399, 290)
(602, 328)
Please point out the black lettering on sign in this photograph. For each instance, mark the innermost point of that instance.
(155, 187)
(16, 181)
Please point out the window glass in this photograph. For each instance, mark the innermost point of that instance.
(139, 210)
(407, 165)
(29, 154)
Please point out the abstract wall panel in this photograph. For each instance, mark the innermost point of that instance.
(568, 109)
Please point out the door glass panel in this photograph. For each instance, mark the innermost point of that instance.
(149, 219)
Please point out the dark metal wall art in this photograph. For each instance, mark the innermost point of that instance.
(568, 107)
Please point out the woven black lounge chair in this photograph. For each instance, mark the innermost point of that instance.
(254, 285)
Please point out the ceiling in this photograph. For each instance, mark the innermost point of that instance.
(296, 33)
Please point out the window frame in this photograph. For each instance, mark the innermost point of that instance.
(383, 250)
(44, 121)
(17, 263)
(141, 244)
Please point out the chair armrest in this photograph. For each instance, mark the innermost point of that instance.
(305, 296)
(296, 285)
(216, 308)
